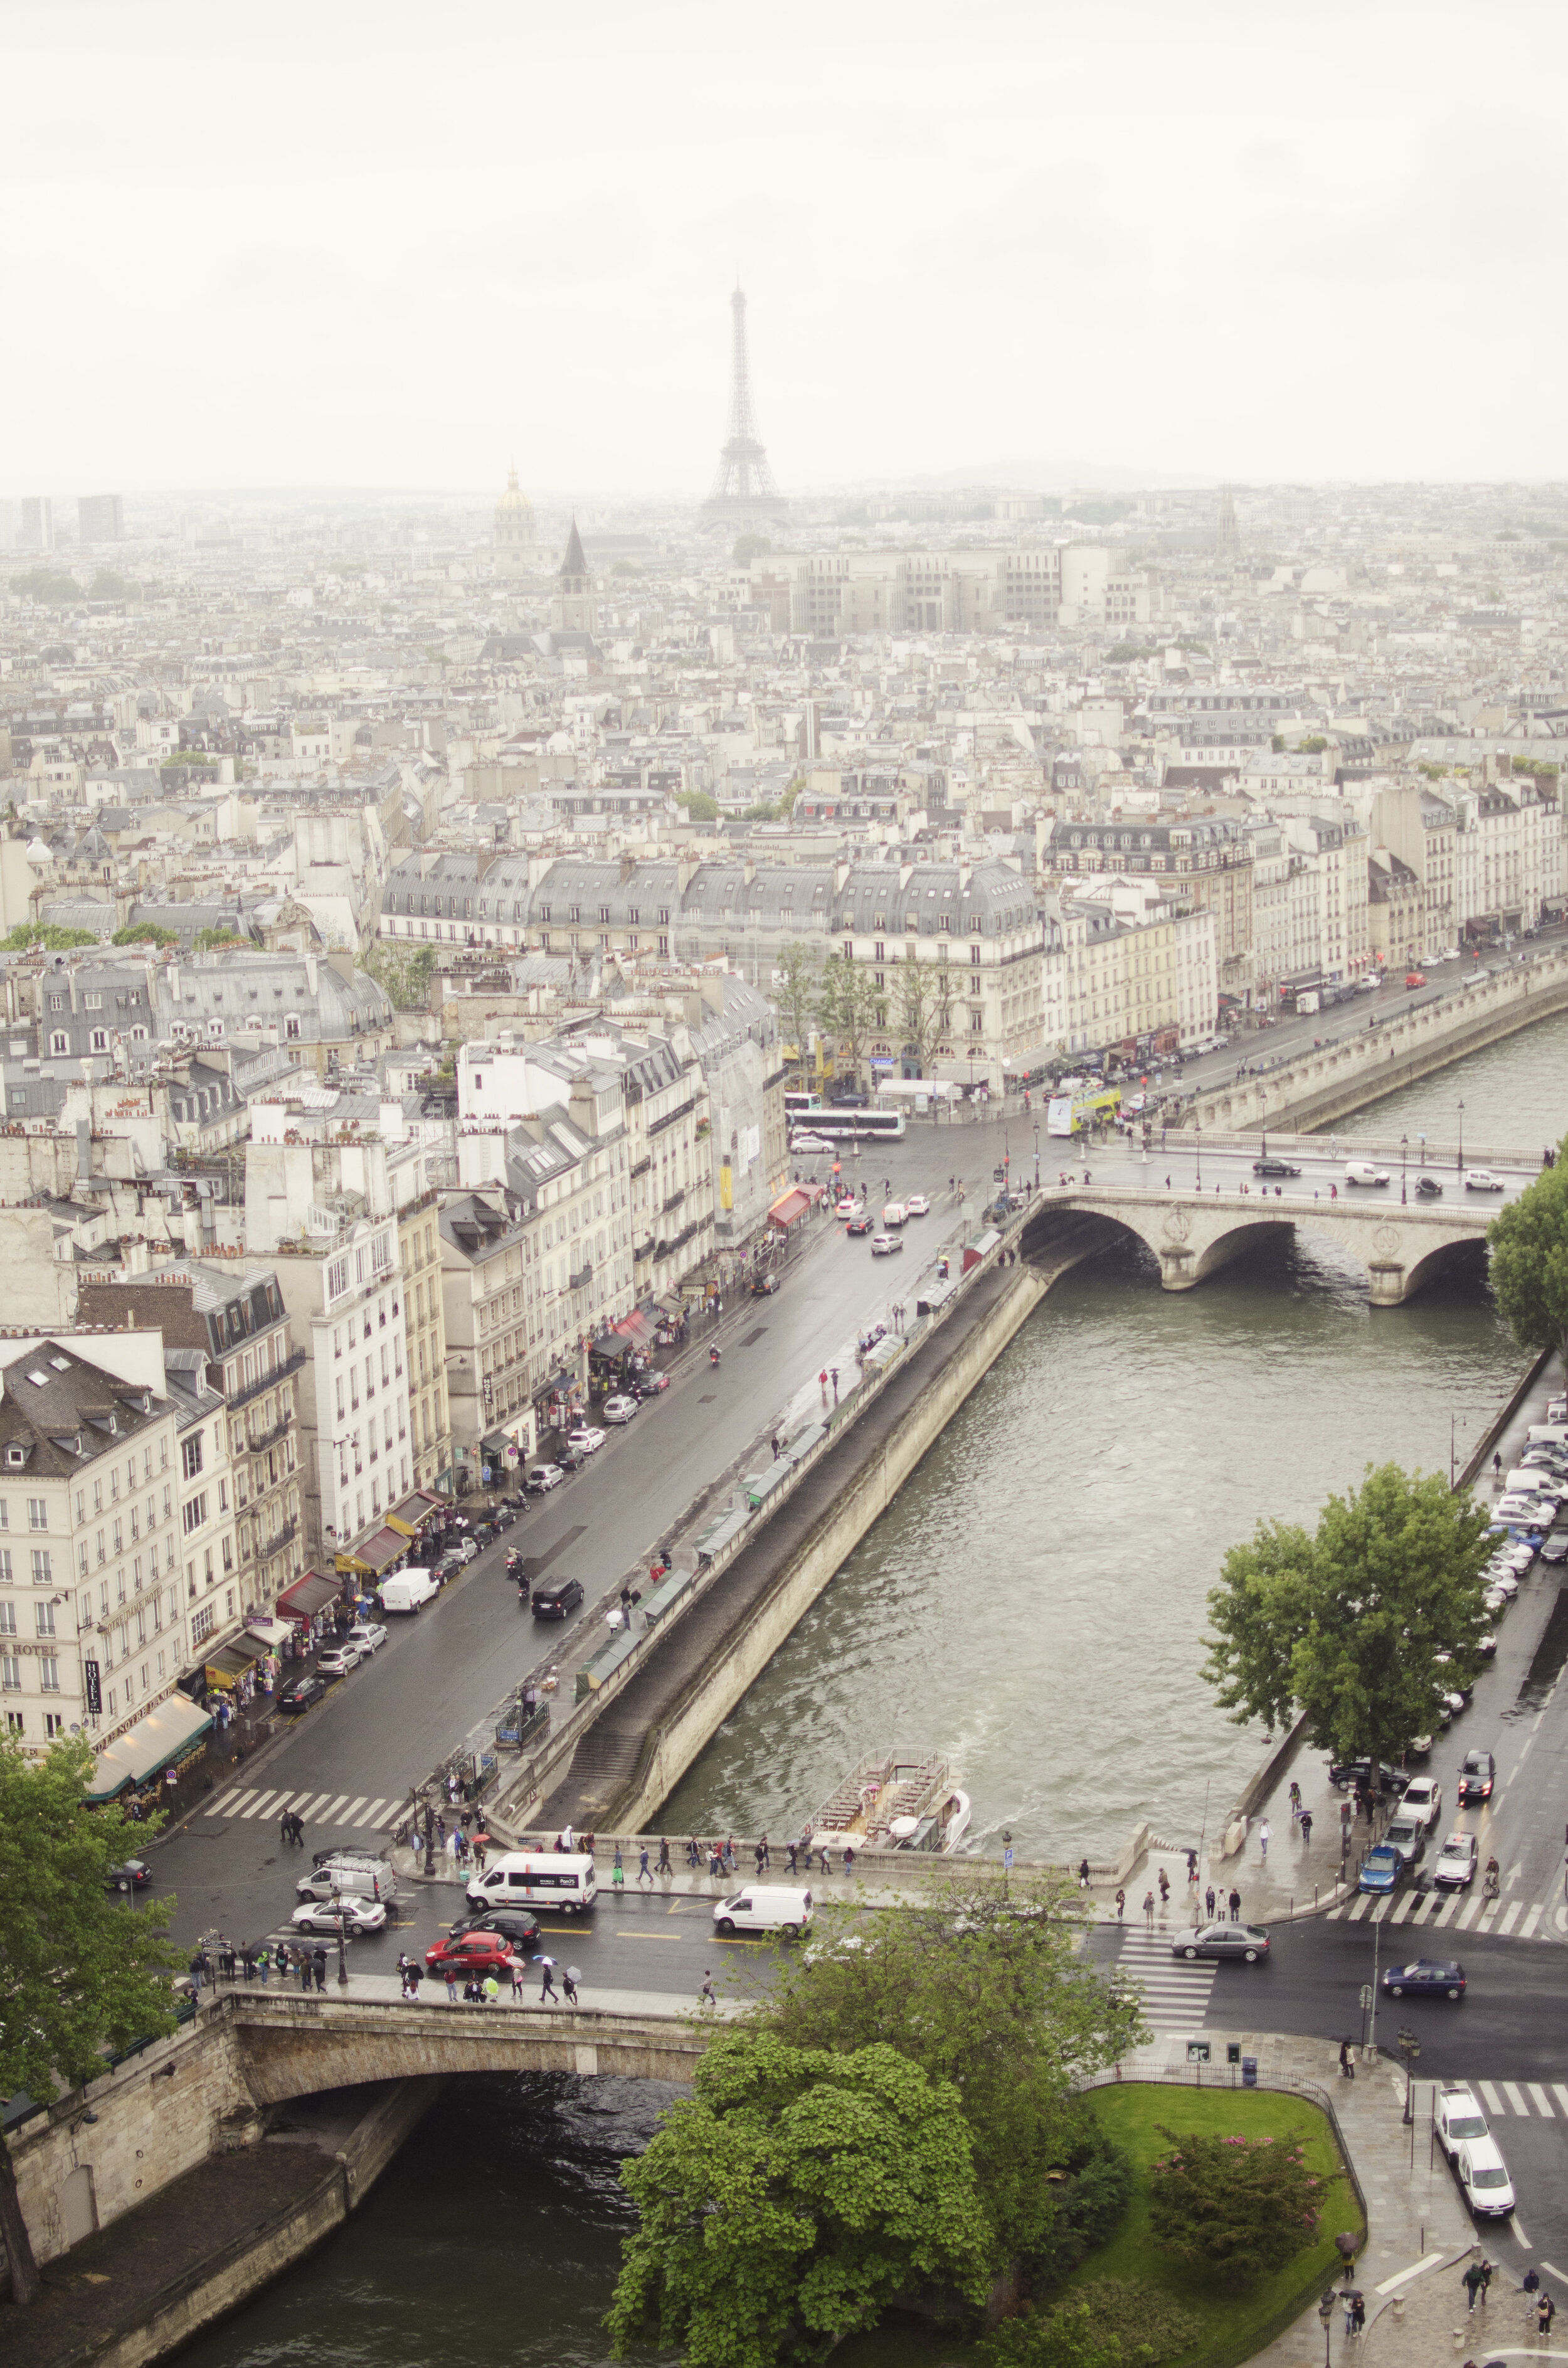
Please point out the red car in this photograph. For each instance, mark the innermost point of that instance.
(463, 1953)
(1415, 978)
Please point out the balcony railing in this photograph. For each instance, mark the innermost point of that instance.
(269, 1438)
(268, 1381)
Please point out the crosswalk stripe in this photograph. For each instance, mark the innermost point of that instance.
(223, 1803)
(1489, 2097)
(330, 1816)
(1512, 1918)
(315, 1806)
(1362, 1904)
(1403, 1910)
(1424, 1906)
(1532, 1920)
(1515, 2099)
(357, 1802)
(1447, 1909)
(237, 1802)
(257, 1805)
(1560, 2093)
(1467, 1914)
(1540, 2100)
(372, 1812)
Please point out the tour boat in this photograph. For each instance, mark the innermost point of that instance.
(898, 1800)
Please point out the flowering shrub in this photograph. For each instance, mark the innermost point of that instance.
(1238, 2206)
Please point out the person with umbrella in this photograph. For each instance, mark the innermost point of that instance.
(547, 1986)
(569, 1981)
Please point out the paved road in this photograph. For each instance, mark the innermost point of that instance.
(349, 1763)
(1194, 1166)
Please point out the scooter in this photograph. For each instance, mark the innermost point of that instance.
(712, 1356)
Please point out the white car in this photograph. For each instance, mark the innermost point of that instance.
(917, 1205)
(1459, 2118)
(1483, 2176)
(1534, 1512)
(1482, 1179)
(585, 1439)
(322, 1914)
(541, 1477)
(847, 1209)
(809, 1142)
(1422, 1798)
(619, 1409)
(368, 1637)
(1518, 1559)
(884, 1245)
(1361, 1171)
(338, 1660)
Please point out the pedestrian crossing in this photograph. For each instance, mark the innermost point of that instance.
(1526, 2100)
(1175, 1989)
(336, 1812)
(1455, 1912)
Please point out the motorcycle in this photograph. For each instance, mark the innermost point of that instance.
(712, 1356)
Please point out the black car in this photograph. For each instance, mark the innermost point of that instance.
(557, 1598)
(514, 1924)
(571, 1459)
(133, 1875)
(301, 1693)
(1555, 1548)
(763, 1286)
(1347, 1774)
(1477, 1776)
(1427, 1977)
(1429, 1188)
(1274, 1167)
(858, 1225)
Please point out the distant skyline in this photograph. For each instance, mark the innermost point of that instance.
(374, 247)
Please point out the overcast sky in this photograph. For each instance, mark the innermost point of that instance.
(396, 245)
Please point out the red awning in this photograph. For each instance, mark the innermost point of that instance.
(382, 1550)
(791, 1206)
(309, 1594)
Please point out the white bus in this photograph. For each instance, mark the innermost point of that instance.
(559, 1879)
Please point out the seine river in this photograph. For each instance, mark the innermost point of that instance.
(1031, 1605)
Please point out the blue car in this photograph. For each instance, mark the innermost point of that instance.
(1427, 1977)
(1383, 1868)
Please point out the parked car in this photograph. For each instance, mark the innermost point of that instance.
(1483, 1180)
(1429, 1188)
(301, 1694)
(1272, 1166)
(1457, 1861)
(917, 1205)
(322, 1916)
(1457, 2117)
(1477, 1777)
(465, 1953)
(648, 1384)
(513, 1924)
(620, 1408)
(586, 1437)
(809, 1141)
(1247, 1941)
(541, 1477)
(1344, 1774)
(1407, 1835)
(763, 1286)
(556, 1598)
(1426, 1977)
(1361, 1171)
(569, 1458)
(884, 1245)
(1382, 1868)
(132, 1874)
(1483, 2176)
(1554, 1549)
(368, 1636)
(337, 1660)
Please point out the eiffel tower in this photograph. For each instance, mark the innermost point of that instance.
(744, 487)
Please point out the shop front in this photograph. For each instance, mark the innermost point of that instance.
(160, 1744)
(560, 1403)
(792, 1207)
(243, 1670)
(309, 1606)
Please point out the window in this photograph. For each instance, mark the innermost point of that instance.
(191, 1456)
(202, 1623)
(11, 1678)
(43, 1613)
(42, 1576)
(59, 1041)
(49, 1673)
(193, 1513)
(7, 1619)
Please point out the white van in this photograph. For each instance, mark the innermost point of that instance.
(1547, 1434)
(408, 1590)
(560, 1879)
(764, 1907)
(895, 1213)
(356, 1878)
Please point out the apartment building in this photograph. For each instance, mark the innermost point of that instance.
(1420, 829)
(1396, 915)
(1211, 857)
(1150, 980)
(419, 1260)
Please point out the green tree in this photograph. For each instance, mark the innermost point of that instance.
(1346, 1624)
(1235, 2206)
(923, 1006)
(1529, 1241)
(207, 941)
(796, 984)
(108, 585)
(981, 1984)
(144, 933)
(846, 1008)
(78, 1969)
(749, 547)
(404, 973)
(48, 935)
(698, 805)
(1065, 2337)
(786, 2203)
(50, 587)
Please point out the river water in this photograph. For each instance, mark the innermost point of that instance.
(1030, 1604)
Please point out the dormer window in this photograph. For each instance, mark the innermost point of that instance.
(15, 1457)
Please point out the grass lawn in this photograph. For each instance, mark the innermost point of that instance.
(1234, 2324)
(1132, 2115)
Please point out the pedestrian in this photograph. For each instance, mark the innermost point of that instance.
(1149, 1910)
(1346, 2061)
(836, 1384)
(664, 1866)
(848, 1858)
(1306, 1825)
(1164, 1887)
(1295, 1802)
(303, 1964)
(481, 1847)
(1545, 2312)
(617, 1875)
(777, 1449)
(766, 1853)
(247, 1964)
(568, 1983)
(1473, 2282)
(1120, 1904)
(1264, 1838)
(1083, 1875)
(285, 1831)
(1209, 1903)
(1358, 2313)
(826, 1862)
(822, 1382)
(706, 1995)
(490, 1989)
(449, 1974)
(793, 1867)
(519, 1971)
(318, 1966)
(263, 1965)
(1192, 1868)
(547, 1986)
(1235, 1904)
(645, 1872)
(1487, 2274)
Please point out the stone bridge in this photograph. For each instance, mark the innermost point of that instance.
(1402, 1247)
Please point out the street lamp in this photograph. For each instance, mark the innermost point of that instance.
(1461, 1134)
(1410, 2048)
(1037, 1154)
(1197, 1130)
(341, 1952)
(1326, 2314)
(1404, 1162)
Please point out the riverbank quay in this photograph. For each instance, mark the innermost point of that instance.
(1390, 1049)
(270, 2191)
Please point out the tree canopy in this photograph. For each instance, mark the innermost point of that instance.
(48, 935)
(796, 986)
(1347, 1623)
(1529, 1241)
(144, 933)
(786, 2203)
(847, 1006)
(403, 974)
(79, 1969)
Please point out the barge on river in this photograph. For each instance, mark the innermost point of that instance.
(899, 1799)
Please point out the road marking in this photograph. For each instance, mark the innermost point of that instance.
(1513, 2224)
(1511, 1915)
(1403, 1910)
(1424, 1906)
(315, 1805)
(1556, 2271)
(1489, 2097)
(625, 1932)
(223, 1803)
(1447, 1909)
(1353, 1914)
(1467, 1914)
(258, 1805)
(331, 1815)
(357, 1802)
(737, 1943)
(1560, 2093)
(1539, 2100)
(373, 1811)
(1402, 2277)
(1516, 2098)
(1531, 1920)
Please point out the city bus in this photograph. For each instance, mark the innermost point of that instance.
(809, 1114)
(1076, 1111)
